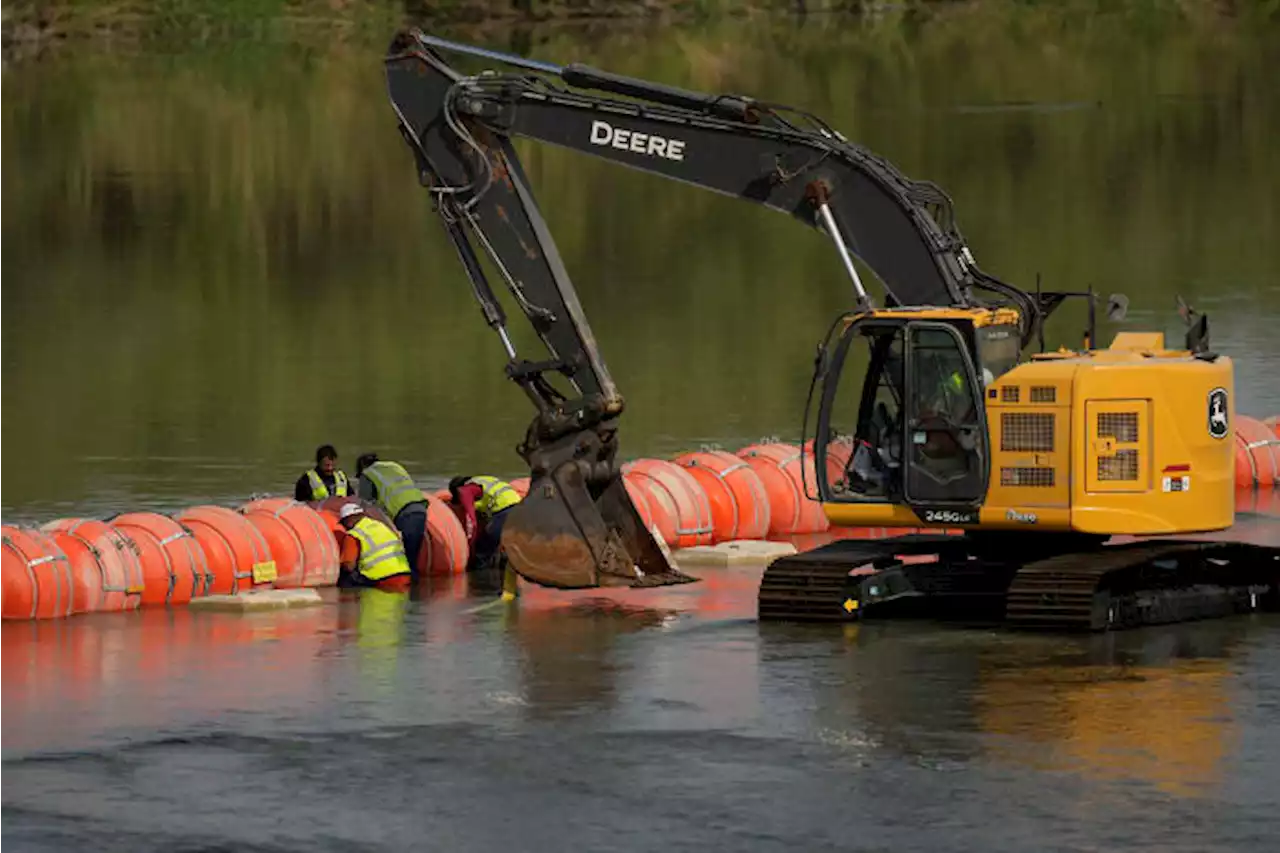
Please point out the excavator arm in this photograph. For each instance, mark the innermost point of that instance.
(577, 527)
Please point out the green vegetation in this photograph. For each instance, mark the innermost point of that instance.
(32, 22)
(218, 257)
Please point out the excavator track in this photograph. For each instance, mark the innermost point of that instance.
(1145, 583)
(1106, 588)
(827, 584)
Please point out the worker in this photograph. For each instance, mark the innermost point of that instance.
(324, 481)
(372, 554)
(946, 416)
(482, 504)
(389, 485)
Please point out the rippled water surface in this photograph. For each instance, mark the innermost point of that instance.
(657, 720)
(217, 258)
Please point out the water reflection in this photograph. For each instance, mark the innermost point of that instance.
(379, 634)
(77, 680)
(1155, 706)
(569, 657)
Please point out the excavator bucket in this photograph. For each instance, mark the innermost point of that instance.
(562, 536)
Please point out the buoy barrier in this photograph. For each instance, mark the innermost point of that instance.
(737, 499)
(236, 552)
(174, 570)
(86, 577)
(77, 565)
(444, 548)
(692, 509)
(37, 581)
(302, 545)
(1257, 453)
(779, 467)
(1260, 500)
(110, 573)
(640, 500)
(839, 452)
(664, 513)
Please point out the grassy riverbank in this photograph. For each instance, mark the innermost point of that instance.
(32, 25)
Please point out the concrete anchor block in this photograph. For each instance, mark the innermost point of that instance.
(743, 552)
(258, 600)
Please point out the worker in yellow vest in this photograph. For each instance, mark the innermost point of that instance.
(482, 505)
(389, 485)
(324, 481)
(372, 554)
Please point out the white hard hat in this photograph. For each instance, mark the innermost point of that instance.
(349, 510)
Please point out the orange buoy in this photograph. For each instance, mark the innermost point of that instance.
(779, 468)
(302, 545)
(660, 504)
(1260, 501)
(174, 570)
(640, 500)
(839, 452)
(739, 504)
(236, 552)
(1257, 454)
(444, 548)
(693, 510)
(521, 485)
(37, 580)
(115, 556)
(86, 577)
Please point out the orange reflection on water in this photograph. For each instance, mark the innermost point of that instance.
(67, 679)
(1170, 726)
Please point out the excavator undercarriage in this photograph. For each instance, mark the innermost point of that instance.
(1091, 587)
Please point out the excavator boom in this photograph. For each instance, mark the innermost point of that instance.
(577, 526)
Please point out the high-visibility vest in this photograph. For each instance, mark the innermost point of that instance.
(319, 491)
(381, 551)
(395, 488)
(497, 495)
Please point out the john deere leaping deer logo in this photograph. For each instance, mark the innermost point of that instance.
(1218, 418)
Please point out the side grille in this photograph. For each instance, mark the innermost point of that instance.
(1044, 394)
(1119, 445)
(1123, 466)
(1026, 477)
(1009, 394)
(1026, 432)
(1122, 426)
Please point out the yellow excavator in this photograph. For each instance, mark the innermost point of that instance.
(1042, 461)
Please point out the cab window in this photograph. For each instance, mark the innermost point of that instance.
(998, 350)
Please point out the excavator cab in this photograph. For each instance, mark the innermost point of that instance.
(904, 392)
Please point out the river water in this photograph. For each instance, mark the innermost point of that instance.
(217, 258)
